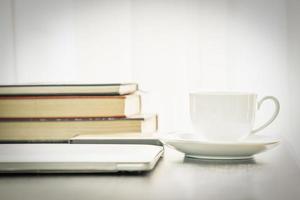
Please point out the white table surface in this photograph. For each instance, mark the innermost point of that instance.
(271, 175)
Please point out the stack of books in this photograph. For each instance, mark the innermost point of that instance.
(60, 112)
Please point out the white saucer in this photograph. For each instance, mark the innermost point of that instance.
(192, 146)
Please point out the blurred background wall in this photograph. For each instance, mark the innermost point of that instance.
(170, 47)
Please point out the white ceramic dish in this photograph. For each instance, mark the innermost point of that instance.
(193, 146)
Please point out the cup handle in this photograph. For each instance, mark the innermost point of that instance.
(275, 114)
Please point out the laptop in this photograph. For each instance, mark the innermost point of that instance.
(107, 156)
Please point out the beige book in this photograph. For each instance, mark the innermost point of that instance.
(64, 129)
(69, 106)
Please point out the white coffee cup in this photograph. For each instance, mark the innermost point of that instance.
(227, 116)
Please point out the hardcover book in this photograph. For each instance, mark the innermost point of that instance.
(69, 89)
(66, 128)
(69, 106)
